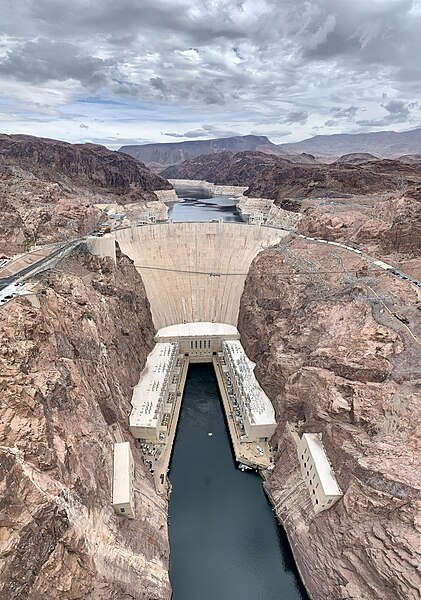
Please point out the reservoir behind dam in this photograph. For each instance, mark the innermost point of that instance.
(198, 205)
(225, 541)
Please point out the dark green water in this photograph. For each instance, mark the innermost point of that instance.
(225, 541)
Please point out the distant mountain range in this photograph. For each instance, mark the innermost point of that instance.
(172, 153)
(383, 144)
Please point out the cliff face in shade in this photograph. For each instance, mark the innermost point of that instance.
(90, 165)
(68, 369)
(224, 168)
(334, 359)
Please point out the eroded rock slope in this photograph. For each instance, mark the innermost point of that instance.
(49, 189)
(67, 371)
(335, 357)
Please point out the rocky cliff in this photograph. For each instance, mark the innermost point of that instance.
(335, 357)
(49, 189)
(68, 369)
(285, 178)
(384, 225)
(358, 199)
(91, 165)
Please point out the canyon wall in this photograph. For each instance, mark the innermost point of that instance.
(50, 189)
(335, 359)
(68, 368)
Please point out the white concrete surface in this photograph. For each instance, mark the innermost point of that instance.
(123, 478)
(151, 393)
(198, 341)
(102, 246)
(317, 472)
(194, 271)
(197, 329)
(257, 410)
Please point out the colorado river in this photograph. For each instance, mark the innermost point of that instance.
(198, 205)
(225, 541)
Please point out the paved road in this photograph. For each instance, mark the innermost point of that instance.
(9, 285)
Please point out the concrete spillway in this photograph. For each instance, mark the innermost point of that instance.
(192, 271)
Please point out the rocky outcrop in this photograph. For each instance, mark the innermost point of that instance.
(224, 168)
(272, 214)
(93, 166)
(68, 369)
(334, 358)
(381, 224)
(49, 189)
(288, 182)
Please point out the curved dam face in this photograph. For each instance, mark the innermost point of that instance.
(193, 271)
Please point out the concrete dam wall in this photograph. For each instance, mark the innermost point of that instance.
(192, 271)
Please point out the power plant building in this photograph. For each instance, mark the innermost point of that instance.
(317, 472)
(151, 400)
(123, 480)
(198, 341)
(256, 408)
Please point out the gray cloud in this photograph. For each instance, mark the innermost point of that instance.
(251, 66)
(349, 112)
(295, 116)
(206, 131)
(45, 60)
(398, 112)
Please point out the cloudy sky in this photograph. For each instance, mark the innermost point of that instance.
(136, 71)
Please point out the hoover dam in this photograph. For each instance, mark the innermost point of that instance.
(193, 272)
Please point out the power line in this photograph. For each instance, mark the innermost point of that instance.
(286, 273)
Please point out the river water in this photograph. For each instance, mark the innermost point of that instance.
(225, 541)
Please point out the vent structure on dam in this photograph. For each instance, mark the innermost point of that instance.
(193, 272)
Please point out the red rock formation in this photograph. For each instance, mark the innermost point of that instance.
(334, 359)
(68, 369)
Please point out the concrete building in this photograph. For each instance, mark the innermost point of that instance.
(152, 397)
(123, 481)
(147, 218)
(317, 472)
(256, 218)
(198, 341)
(256, 409)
